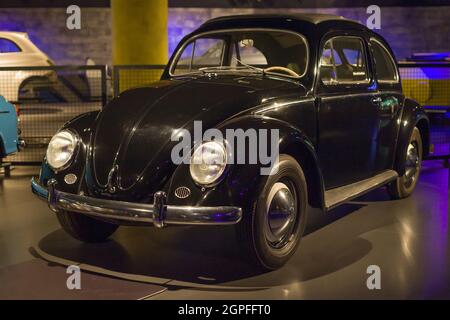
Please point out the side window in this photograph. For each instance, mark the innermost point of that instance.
(329, 57)
(201, 53)
(8, 46)
(343, 61)
(208, 52)
(328, 63)
(384, 63)
(185, 61)
(354, 57)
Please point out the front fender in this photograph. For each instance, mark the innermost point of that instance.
(242, 182)
(82, 125)
(413, 115)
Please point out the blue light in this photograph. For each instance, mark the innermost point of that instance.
(11, 26)
(437, 73)
(432, 56)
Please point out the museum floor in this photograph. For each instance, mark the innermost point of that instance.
(408, 239)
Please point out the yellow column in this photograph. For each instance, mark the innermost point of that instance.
(139, 31)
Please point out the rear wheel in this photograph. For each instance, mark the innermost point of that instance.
(84, 228)
(271, 233)
(404, 186)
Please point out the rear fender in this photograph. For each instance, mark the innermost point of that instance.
(413, 116)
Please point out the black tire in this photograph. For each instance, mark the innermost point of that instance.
(404, 186)
(84, 228)
(253, 229)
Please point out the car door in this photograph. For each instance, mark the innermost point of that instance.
(388, 102)
(347, 113)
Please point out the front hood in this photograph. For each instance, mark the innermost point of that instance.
(131, 142)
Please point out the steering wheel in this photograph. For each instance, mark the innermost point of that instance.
(283, 69)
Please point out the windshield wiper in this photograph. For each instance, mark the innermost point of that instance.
(250, 66)
(206, 69)
(226, 68)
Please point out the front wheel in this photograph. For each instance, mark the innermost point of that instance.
(271, 233)
(404, 186)
(84, 228)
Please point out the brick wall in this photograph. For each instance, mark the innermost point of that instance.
(407, 29)
(47, 29)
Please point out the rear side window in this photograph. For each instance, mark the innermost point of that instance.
(8, 46)
(385, 68)
(343, 60)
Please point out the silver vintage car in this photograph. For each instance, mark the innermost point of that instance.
(17, 50)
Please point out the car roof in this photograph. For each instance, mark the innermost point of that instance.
(22, 40)
(313, 18)
(14, 34)
(309, 24)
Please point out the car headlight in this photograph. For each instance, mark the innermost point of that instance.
(208, 162)
(61, 149)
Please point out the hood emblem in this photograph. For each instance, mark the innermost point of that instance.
(112, 179)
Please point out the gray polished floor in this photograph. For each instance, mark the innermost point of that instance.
(408, 239)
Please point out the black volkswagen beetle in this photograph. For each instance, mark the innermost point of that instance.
(328, 85)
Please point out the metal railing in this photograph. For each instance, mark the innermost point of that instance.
(47, 98)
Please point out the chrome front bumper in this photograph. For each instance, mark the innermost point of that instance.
(159, 213)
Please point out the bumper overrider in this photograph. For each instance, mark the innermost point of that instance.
(159, 213)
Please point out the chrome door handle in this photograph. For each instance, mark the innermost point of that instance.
(376, 101)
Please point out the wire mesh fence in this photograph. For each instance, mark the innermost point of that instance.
(429, 84)
(50, 96)
(47, 97)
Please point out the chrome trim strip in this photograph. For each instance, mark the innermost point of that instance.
(275, 104)
(187, 42)
(158, 213)
(339, 95)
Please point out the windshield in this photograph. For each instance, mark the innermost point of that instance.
(280, 52)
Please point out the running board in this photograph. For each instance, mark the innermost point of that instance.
(337, 196)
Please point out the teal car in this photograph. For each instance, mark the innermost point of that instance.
(9, 135)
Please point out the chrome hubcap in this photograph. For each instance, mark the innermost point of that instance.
(412, 164)
(281, 214)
